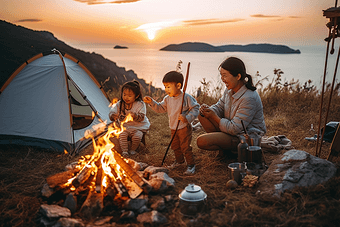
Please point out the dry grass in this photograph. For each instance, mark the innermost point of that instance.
(23, 171)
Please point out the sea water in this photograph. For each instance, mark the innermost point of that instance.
(152, 64)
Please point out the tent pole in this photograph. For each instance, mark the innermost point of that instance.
(68, 93)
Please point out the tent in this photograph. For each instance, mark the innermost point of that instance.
(51, 101)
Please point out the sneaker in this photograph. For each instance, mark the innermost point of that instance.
(132, 152)
(175, 165)
(125, 154)
(190, 170)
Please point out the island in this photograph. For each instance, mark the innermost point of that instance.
(119, 47)
(204, 47)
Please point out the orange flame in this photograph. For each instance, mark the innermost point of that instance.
(102, 150)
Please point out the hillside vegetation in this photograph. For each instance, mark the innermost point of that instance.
(289, 108)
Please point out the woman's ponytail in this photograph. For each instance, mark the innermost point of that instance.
(249, 82)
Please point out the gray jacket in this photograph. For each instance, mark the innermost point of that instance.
(244, 105)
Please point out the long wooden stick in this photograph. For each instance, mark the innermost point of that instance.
(184, 89)
(322, 97)
(329, 100)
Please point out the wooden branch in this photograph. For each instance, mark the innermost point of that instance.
(60, 179)
(99, 179)
(131, 172)
(118, 184)
(83, 175)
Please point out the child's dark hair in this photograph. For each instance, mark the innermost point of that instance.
(173, 77)
(236, 66)
(134, 86)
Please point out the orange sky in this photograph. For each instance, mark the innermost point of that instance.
(162, 22)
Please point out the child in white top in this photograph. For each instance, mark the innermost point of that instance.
(130, 103)
(173, 82)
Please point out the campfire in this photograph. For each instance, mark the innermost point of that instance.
(104, 174)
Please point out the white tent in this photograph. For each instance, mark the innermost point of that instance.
(50, 101)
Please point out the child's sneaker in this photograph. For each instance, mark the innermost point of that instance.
(132, 152)
(190, 170)
(175, 165)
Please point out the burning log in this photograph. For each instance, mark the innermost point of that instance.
(60, 180)
(99, 180)
(83, 175)
(131, 172)
(118, 184)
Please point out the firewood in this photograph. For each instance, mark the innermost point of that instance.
(99, 179)
(60, 179)
(131, 172)
(83, 175)
(118, 184)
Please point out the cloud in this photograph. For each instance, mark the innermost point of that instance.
(97, 2)
(294, 17)
(29, 20)
(264, 16)
(209, 21)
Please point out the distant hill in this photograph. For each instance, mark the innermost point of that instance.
(195, 47)
(18, 44)
(204, 47)
(120, 47)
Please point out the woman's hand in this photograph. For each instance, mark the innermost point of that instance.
(147, 99)
(203, 107)
(208, 113)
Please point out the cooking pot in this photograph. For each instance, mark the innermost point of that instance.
(192, 200)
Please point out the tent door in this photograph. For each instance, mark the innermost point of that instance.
(82, 112)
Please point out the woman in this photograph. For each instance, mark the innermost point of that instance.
(240, 102)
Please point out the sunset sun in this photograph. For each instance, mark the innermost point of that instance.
(151, 28)
(151, 33)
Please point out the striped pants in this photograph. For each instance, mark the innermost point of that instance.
(136, 137)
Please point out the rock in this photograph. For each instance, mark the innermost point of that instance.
(295, 168)
(46, 191)
(158, 204)
(71, 202)
(152, 170)
(93, 206)
(69, 222)
(143, 209)
(102, 221)
(153, 217)
(128, 215)
(136, 204)
(54, 211)
(161, 182)
(143, 165)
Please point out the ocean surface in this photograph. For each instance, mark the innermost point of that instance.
(152, 64)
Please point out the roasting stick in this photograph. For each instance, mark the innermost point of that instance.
(184, 89)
